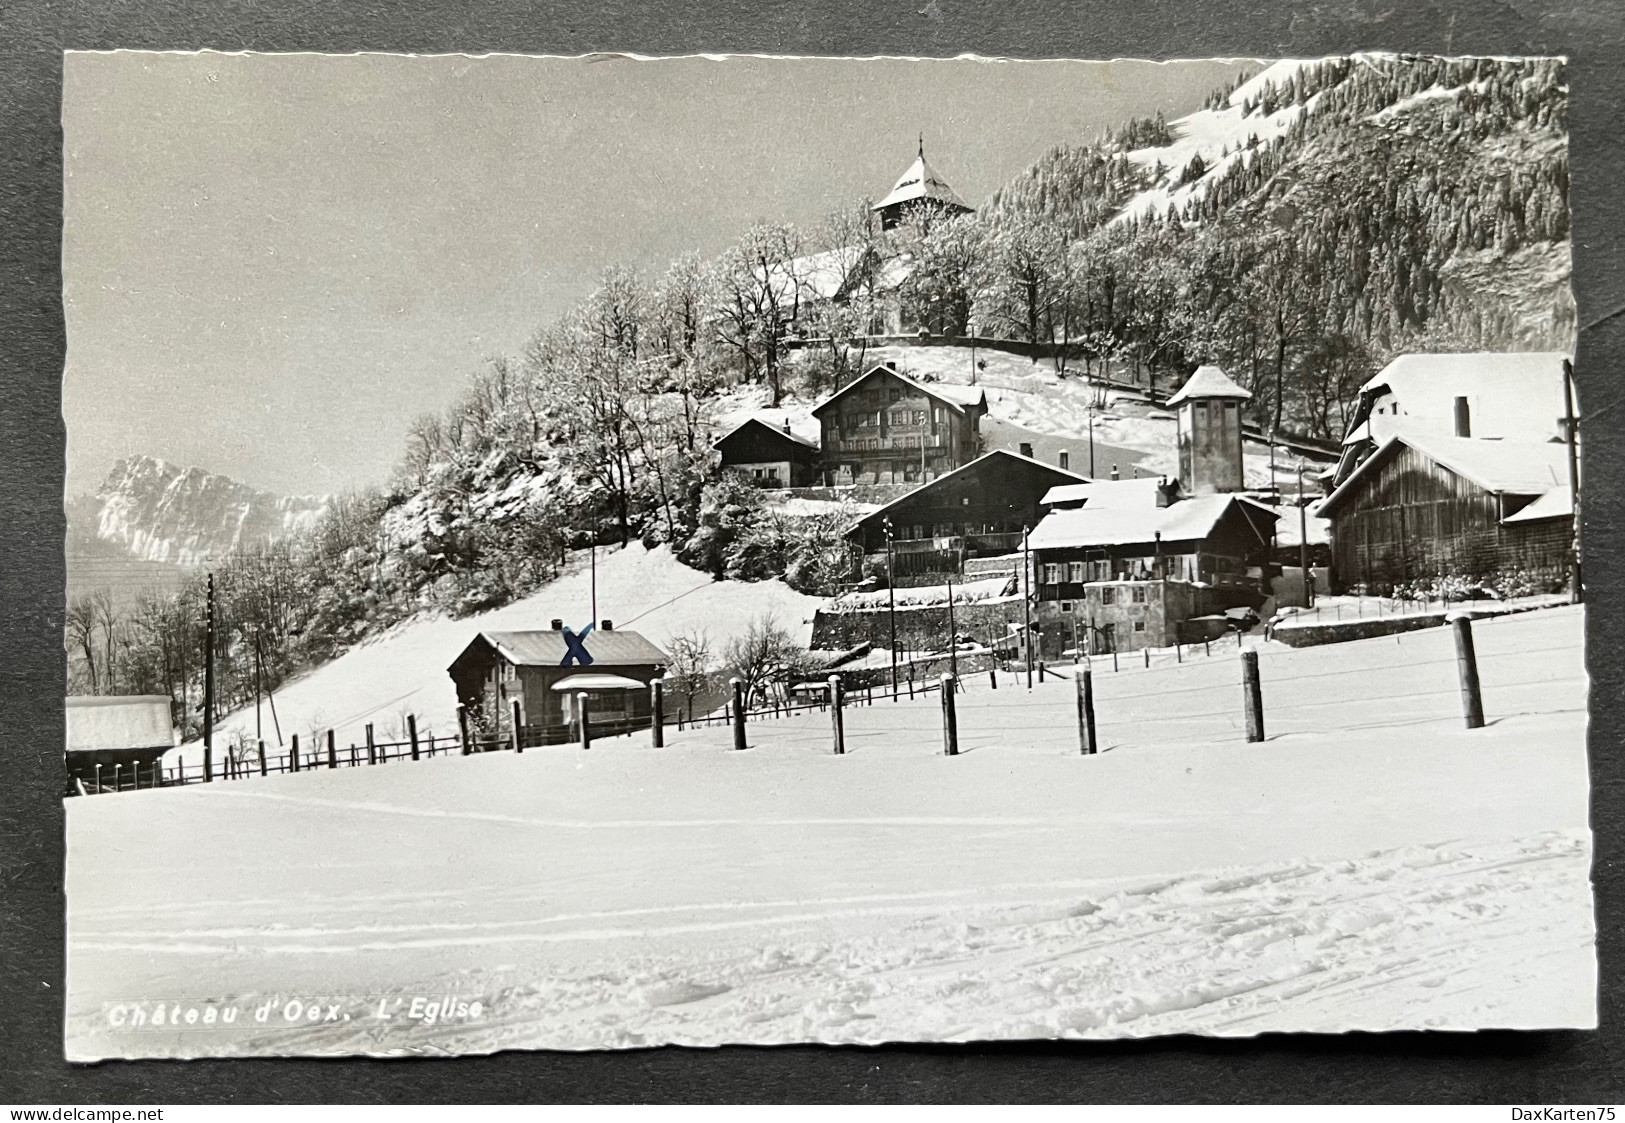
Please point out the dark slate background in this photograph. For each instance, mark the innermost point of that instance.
(1504, 1067)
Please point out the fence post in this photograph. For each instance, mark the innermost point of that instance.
(582, 712)
(332, 751)
(462, 726)
(518, 716)
(98, 779)
(739, 712)
(294, 753)
(657, 713)
(1252, 696)
(1179, 652)
(1472, 699)
(1114, 657)
(262, 758)
(208, 765)
(950, 719)
(354, 760)
(1086, 710)
(836, 721)
(993, 676)
(118, 777)
(412, 735)
(1040, 670)
(372, 753)
(1206, 650)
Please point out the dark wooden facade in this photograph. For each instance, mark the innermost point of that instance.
(978, 511)
(770, 457)
(885, 428)
(1409, 518)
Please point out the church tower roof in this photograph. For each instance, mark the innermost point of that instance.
(922, 181)
(1209, 381)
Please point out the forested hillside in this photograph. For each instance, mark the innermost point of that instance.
(1299, 229)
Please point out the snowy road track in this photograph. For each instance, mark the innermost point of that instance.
(1371, 865)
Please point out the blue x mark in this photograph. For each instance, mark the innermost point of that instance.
(577, 645)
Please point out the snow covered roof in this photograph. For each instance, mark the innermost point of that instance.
(596, 682)
(1514, 395)
(548, 649)
(1555, 504)
(1126, 495)
(1209, 381)
(1512, 467)
(138, 721)
(776, 430)
(959, 398)
(921, 181)
(1108, 526)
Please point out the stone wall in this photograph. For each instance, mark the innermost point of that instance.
(920, 628)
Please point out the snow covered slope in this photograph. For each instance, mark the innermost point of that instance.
(404, 670)
(1371, 866)
(1217, 137)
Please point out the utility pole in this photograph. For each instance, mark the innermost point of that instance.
(1027, 604)
(1576, 592)
(1303, 543)
(891, 601)
(1091, 435)
(953, 634)
(208, 685)
(258, 735)
(595, 581)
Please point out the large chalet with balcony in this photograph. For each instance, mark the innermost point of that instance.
(975, 512)
(887, 428)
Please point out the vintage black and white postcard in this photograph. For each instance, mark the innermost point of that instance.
(602, 552)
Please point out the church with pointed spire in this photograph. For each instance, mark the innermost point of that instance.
(919, 186)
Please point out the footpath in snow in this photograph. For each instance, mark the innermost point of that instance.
(1372, 865)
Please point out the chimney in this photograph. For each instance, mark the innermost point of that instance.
(1464, 420)
(1027, 449)
(1115, 475)
(558, 625)
(1065, 460)
(786, 424)
(606, 625)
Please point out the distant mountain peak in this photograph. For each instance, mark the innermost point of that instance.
(159, 511)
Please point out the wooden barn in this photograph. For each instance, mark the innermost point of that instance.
(544, 671)
(1424, 506)
(883, 427)
(978, 511)
(771, 456)
(129, 732)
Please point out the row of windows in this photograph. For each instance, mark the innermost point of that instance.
(1068, 606)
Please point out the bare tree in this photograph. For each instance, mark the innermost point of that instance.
(83, 615)
(690, 672)
(761, 656)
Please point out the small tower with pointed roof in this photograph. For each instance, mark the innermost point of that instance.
(1209, 409)
(919, 186)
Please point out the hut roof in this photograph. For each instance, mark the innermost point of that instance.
(1186, 520)
(546, 648)
(140, 721)
(958, 398)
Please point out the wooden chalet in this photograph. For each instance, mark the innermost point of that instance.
(977, 511)
(1424, 506)
(1116, 568)
(884, 427)
(543, 671)
(130, 732)
(771, 456)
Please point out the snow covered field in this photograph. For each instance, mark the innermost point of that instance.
(1371, 865)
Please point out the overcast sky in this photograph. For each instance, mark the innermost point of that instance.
(273, 262)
